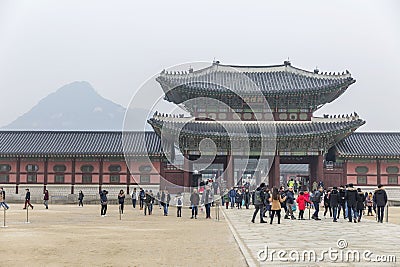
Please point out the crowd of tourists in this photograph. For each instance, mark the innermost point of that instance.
(290, 202)
(347, 200)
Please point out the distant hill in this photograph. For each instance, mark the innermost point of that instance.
(75, 106)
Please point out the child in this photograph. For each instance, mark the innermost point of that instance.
(179, 204)
(369, 204)
(301, 201)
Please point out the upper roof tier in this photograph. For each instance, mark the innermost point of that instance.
(275, 82)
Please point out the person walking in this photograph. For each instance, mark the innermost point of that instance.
(151, 202)
(276, 201)
(134, 198)
(258, 202)
(232, 196)
(159, 199)
(316, 199)
(103, 202)
(239, 199)
(142, 196)
(28, 199)
(351, 199)
(289, 204)
(46, 199)
(380, 199)
(370, 203)
(327, 204)
(207, 199)
(360, 203)
(246, 197)
(334, 202)
(80, 198)
(146, 202)
(179, 204)
(301, 201)
(3, 199)
(194, 203)
(342, 202)
(226, 198)
(121, 200)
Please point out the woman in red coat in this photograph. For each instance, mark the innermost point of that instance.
(301, 200)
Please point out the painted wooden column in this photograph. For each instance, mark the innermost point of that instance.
(186, 172)
(274, 173)
(73, 171)
(230, 171)
(128, 179)
(18, 178)
(344, 176)
(100, 173)
(378, 171)
(320, 168)
(277, 171)
(46, 173)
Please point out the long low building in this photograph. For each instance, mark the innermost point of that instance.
(68, 161)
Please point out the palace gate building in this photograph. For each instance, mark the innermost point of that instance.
(68, 161)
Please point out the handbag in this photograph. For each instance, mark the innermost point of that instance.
(104, 203)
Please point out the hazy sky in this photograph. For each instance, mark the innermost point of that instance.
(117, 45)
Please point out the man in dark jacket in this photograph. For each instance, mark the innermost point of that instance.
(259, 202)
(380, 200)
(289, 204)
(351, 199)
(342, 202)
(232, 196)
(316, 199)
(28, 199)
(334, 202)
(103, 202)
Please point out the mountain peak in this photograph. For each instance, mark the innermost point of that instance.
(74, 106)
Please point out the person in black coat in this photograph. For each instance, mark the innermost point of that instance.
(247, 196)
(342, 202)
(334, 202)
(380, 200)
(351, 199)
(360, 203)
(28, 199)
(258, 202)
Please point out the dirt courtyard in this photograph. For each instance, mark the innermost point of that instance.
(66, 235)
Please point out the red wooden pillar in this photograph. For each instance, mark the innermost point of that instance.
(46, 173)
(18, 174)
(344, 177)
(230, 171)
(100, 173)
(186, 170)
(73, 176)
(378, 171)
(320, 168)
(274, 173)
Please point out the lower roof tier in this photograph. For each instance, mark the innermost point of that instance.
(264, 137)
(370, 145)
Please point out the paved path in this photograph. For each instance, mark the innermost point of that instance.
(298, 236)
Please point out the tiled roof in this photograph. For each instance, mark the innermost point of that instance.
(252, 129)
(77, 143)
(270, 79)
(375, 145)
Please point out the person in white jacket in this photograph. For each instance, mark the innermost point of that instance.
(179, 204)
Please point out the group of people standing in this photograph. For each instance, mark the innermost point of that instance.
(351, 201)
(238, 196)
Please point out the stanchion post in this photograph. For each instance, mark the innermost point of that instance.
(4, 219)
(387, 213)
(27, 214)
(120, 212)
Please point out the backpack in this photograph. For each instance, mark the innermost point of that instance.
(257, 198)
(179, 201)
(316, 197)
